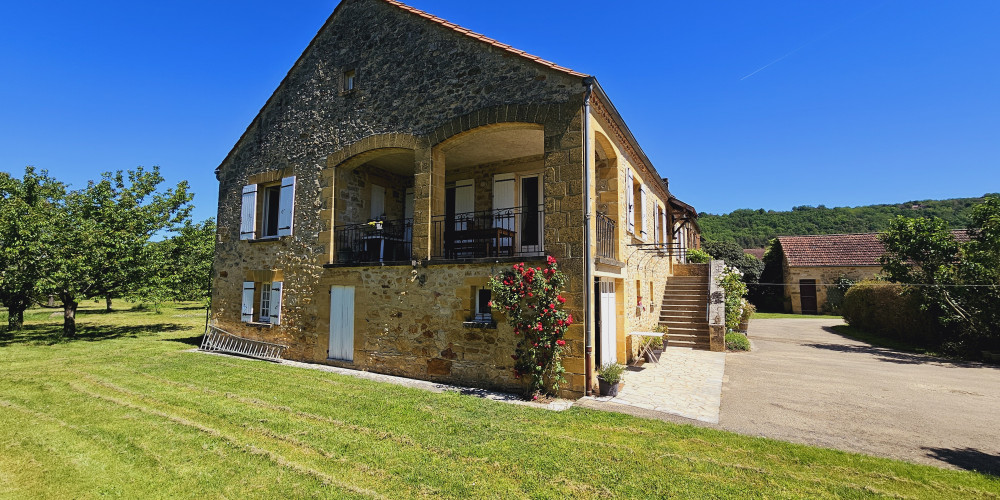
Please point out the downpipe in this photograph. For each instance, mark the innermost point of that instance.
(588, 273)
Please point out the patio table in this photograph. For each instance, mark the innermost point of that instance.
(646, 348)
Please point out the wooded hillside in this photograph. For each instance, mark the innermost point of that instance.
(753, 228)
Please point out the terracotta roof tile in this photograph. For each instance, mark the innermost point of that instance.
(840, 249)
(477, 36)
(832, 250)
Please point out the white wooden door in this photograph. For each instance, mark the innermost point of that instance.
(609, 324)
(342, 323)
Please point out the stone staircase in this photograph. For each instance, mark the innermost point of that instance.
(685, 307)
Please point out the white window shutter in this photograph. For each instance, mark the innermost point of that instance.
(248, 287)
(663, 227)
(248, 221)
(378, 202)
(286, 204)
(629, 202)
(276, 287)
(644, 227)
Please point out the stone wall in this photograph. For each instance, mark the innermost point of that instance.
(823, 276)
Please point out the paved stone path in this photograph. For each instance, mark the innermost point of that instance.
(685, 382)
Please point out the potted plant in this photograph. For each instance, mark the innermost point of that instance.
(609, 378)
(652, 347)
(745, 315)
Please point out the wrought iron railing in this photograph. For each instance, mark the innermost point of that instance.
(507, 232)
(375, 241)
(606, 242)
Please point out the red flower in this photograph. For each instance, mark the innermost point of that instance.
(551, 306)
(551, 260)
(569, 319)
(560, 342)
(561, 299)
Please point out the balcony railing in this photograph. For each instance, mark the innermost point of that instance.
(507, 232)
(375, 241)
(606, 242)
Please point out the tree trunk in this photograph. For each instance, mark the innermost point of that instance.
(107, 301)
(15, 319)
(69, 317)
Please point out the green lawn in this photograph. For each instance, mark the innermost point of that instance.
(127, 411)
(766, 315)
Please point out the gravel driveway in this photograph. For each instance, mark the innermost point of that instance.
(804, 383)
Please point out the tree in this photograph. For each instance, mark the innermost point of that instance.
(102, 249)
(957, 283)
(27, 210)
(185, 270)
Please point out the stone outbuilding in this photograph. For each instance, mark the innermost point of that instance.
(812, 264)
(404, 160)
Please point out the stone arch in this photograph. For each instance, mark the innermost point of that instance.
(522, 114)
(371, 144)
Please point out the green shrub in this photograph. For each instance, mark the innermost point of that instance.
(695, 256)
(737, 342)
(835, 294)
(887, 309)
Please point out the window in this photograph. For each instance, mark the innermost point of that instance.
(483, 313)
(349, 79)
(271, 215)
(268, 296)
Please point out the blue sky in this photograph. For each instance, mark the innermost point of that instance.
(742, 104)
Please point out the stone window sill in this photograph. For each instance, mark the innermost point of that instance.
(257, 324)
(492, 325)
(264, 239)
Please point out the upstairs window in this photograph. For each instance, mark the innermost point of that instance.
(268, 210)
(350, 78)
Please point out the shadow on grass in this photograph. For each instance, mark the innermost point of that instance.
(194, 341)
(51, 335)
(968, 459)
(888, 350)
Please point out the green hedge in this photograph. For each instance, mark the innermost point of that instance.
(737, 342)
(886, 309)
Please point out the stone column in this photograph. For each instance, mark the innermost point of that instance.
(716, 307)
(428, 198)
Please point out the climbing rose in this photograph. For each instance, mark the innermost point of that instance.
(550, 260)
(560, 342)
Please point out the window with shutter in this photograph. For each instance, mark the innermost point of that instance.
(629, 202)
(286, 205)
(275, 311)
(247, 310)
(248, 217)
(641, 213)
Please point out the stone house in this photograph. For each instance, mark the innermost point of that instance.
(404, 160)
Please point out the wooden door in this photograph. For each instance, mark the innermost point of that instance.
(342, 323)
(608, 350)
(807, 296)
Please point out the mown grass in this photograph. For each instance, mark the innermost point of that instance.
(767, 315)
(128, 411)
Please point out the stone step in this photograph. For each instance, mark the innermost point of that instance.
(684, 310)
(688, 330)
(678, 315)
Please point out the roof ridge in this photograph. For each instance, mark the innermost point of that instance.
(472, 34)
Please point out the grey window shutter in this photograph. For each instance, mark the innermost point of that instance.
(286, 202)
(248, 220)
(643, 226)
(276, 287)
(248, 287)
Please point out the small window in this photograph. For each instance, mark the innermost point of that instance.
(483, 312)
(349, 78)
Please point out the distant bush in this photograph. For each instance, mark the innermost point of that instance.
(696, 256)
(886, 309)
(835, 294)
(737, 342)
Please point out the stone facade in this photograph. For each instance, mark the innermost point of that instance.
(824, 276)
(429, 106)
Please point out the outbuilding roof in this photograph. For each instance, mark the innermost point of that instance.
(848, 250)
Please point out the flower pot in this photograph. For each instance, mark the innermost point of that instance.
(744, 326)
(607, 388)
(652, 356)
